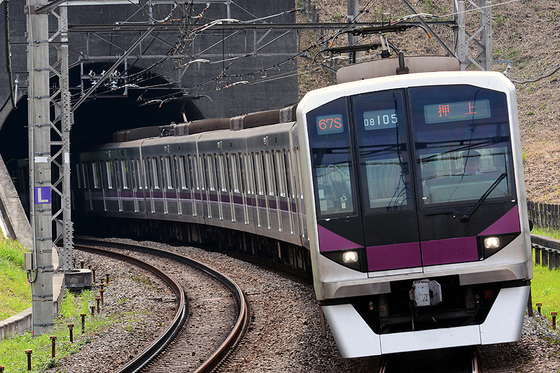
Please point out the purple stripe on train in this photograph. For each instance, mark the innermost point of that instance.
(329, 241)
(402, 255)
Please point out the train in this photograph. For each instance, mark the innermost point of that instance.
(403, 195)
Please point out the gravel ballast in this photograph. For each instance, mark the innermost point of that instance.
(285, 331)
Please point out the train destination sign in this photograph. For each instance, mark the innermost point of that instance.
(328, 124)
(456, 111)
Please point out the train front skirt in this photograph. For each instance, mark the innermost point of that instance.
(356, 339)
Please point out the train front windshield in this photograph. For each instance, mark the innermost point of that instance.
(462, 143)
(414, 158)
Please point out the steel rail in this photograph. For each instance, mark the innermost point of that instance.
(167, 336)
(243, 318)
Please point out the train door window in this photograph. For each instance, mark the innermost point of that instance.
(241, 173)
(258, 172)
(271, 174)
(249, 167)
(125, 174)
(280, 173)
(288, 170)
(154, 173)
(109, 174)
(182, 172)
(234, 173)
(231, 172)
(462, 143)
(78, 175)
(168, 174)
(222, 173)
(140, 167)
(331, 157)
(85, 175)
(117, 173)
(192, 172)
(383, 151)
(133, 174)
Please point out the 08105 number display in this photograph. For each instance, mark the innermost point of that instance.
(380, 119)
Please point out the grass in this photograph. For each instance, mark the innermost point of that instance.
(15, 295)
(545, 287)
(12, 350)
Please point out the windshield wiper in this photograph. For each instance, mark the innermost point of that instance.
(465, 218)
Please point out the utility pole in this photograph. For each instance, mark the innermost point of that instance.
(41, 271)
(353, 10)
(483, 59)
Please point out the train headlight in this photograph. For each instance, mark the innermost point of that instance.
(489, 245)
(353, 258)
(350, 257)
(491, 242)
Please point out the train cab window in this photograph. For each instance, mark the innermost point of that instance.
(331, 156)
(462, 144)
(383, 152)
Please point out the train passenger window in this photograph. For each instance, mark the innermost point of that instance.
(383, 151)
(462, 143)
(331, 157)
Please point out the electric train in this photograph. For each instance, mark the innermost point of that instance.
(403, 195)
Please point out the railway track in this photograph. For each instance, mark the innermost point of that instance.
(174, 334)
(454, 360)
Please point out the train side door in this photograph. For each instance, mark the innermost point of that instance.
(390, 226)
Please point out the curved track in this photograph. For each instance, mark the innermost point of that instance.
(150, 353)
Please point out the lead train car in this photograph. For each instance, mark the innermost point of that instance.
(416, 226)
(417, 217)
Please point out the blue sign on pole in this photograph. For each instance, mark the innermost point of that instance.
(42, 195)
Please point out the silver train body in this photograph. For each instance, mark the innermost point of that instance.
(368, 185)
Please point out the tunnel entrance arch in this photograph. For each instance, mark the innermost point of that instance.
(149, 101)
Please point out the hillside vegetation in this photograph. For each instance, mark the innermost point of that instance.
(524, 32)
